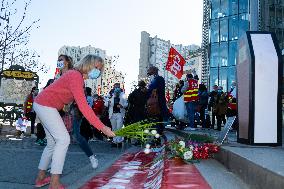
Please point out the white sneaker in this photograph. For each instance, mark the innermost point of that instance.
(22, 135)
(33, 136)
(190, 129)
(94, 161)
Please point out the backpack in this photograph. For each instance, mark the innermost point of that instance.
(153, 106)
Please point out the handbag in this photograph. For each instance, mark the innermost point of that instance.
(67, 120)
(153, 106)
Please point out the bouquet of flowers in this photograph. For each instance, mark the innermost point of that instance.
(191, 151)
(141, 131)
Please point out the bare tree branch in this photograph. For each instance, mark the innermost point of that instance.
(14, 36)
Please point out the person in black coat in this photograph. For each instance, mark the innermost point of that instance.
(203, 103)
(137, 104)
(158, 83)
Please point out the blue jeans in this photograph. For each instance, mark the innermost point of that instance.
(190, 107)
(81, 140)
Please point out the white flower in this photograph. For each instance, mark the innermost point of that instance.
(182, 143)
(187, 155)
(146, 131)
(157, 135)
(148, 146)
(154, 132)
(191, 147)
(147, 150)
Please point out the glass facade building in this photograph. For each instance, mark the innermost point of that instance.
(229, 20)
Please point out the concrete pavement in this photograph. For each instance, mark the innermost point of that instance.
(19, 161)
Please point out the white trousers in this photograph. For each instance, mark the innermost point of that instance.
(57, 137)
(117, 123)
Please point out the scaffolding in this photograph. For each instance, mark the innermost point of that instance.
(205, 42)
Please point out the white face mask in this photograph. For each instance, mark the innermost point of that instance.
(60, 64)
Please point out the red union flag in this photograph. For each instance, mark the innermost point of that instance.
(175, 63)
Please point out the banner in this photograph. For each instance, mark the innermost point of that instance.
(175, 63)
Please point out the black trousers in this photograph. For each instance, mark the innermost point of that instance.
(202, 115)
(40, 131)
(32, 117)
(220, 118)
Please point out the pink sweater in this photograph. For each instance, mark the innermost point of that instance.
(63, 91)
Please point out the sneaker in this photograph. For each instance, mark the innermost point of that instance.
(190, 129)
(33, 136)
(38, 142)
(94, 161)
(42, 182)
(22, 135)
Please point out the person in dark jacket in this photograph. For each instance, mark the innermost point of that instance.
(220, 107)
(213, 96)
(158, 83)
(203, 103)
(137, 104)
(177, 92)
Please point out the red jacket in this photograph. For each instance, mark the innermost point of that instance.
(98, 106)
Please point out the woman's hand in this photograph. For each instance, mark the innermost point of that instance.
(107, 131)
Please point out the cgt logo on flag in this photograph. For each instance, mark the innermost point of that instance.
(175, 63)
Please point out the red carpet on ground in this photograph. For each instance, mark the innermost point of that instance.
(126, 173)
(178, 174)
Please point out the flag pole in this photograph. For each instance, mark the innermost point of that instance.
(167, 87)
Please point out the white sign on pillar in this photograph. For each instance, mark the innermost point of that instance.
(259, 76)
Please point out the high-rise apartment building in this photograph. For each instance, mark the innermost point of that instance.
(154, 51)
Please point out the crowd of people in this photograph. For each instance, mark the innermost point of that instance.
(65, 107)
(65, 111)
(199, 102)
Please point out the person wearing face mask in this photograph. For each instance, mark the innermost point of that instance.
(158, 112)
(117, 105)
(69, 87)
(29, 112)
(64, 63)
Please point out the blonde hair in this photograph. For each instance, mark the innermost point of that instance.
(87, 63)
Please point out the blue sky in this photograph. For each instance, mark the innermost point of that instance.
(112, 25)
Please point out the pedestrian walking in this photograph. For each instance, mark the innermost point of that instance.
(67, 88)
